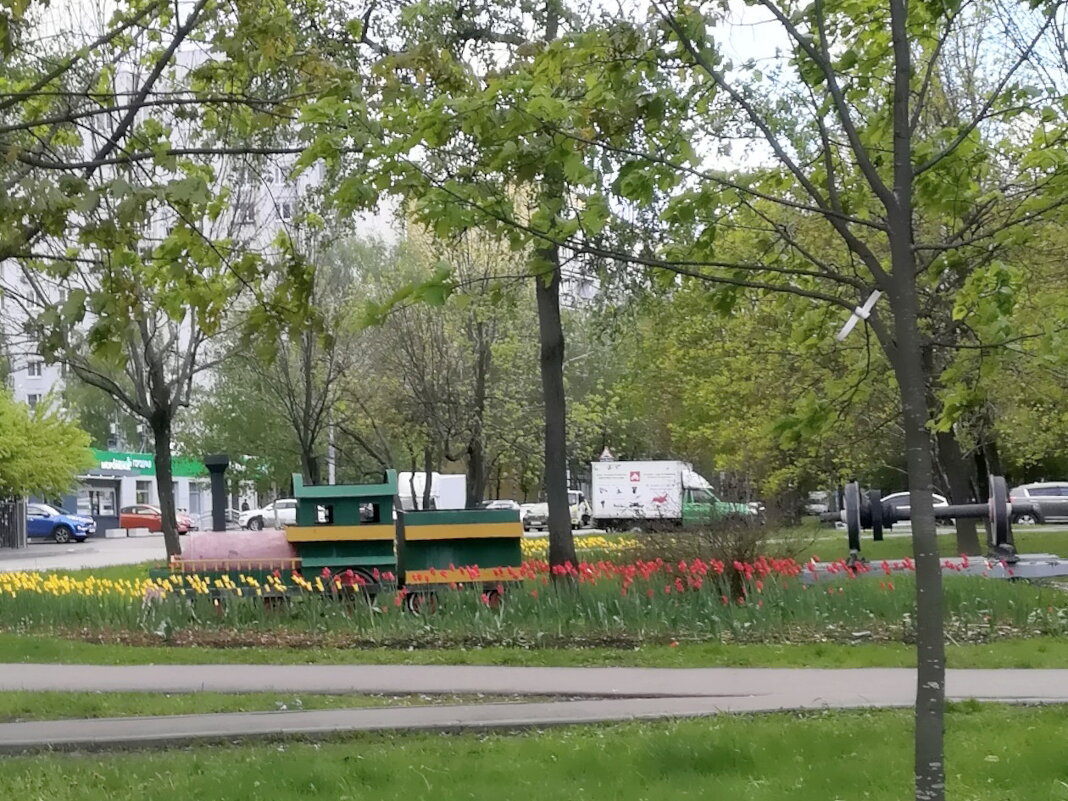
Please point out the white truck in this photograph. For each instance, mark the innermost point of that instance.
(447, 490)
(660, 493)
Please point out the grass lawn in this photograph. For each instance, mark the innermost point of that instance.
(63, 705)
(829, 545)
(132, 572)
(1007, 754)
(1036, 652)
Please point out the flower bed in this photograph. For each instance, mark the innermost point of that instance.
(632, 602)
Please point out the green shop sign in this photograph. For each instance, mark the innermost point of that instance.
(142, 464)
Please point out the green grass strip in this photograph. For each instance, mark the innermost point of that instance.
(993, 752)
(1037, 652)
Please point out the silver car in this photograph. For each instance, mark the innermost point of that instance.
(1050, 499)
(535, 516)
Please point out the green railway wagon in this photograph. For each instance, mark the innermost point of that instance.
(450, 547)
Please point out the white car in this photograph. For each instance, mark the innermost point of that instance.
(900, 500)
(283, 510)
(535, 516)
(500, 505)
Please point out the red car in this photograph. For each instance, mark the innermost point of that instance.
(144, 516)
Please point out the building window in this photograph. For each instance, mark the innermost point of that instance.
(143, 494)
(33, 399)
(34, 369)
(245, 213)
(287, 209)
(194, 499)
(283, 174)
(96, 502)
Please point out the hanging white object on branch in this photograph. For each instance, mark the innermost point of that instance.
(859, 313)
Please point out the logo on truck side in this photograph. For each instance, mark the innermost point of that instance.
(635, 475)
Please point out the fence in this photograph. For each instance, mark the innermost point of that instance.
(12, 524)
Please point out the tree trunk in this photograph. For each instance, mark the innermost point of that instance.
(428, 478)
(908, 361)
(161, 434)
(309, 464)
(476, 449)
(551, 337)
(930, 645)
(551, 340)
(958, 478)
(992, 454)
(952, 465)
(411, 490)
(476, 472)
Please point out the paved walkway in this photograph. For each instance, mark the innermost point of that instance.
(597, 695)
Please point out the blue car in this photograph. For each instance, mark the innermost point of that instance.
(43, 520)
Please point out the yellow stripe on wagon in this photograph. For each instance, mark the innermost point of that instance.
(459, 575)
(365, 533)
(463, 531)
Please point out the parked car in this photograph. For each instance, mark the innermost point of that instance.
(499, 505)
(817, 503)
(43, 520)
(284, 509)
(256, 519)
(535, 516)
(143, 515)
(900, 500)
(231, 516)
(1050, 499)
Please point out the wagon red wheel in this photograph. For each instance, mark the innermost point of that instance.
(422, 603)
(494, 598)
(273, 604)
(366, 584)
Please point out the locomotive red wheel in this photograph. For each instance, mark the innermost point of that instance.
(421, 603)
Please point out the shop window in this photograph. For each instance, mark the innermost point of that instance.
(96, 502)
(144, 492)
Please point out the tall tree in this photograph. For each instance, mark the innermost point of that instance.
(841, 130)
(117, 208)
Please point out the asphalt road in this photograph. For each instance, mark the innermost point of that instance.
(595, 695)
(94, 552)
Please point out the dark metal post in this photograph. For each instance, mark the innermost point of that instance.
(217, 464)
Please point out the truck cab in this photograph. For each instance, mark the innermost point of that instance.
(581, 512)
(699, 505)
